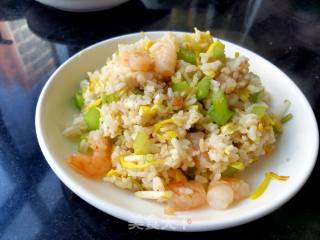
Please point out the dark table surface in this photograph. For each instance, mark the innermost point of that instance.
(35, 40)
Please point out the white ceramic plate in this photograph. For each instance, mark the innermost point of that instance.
(295, 155)
(82, 5)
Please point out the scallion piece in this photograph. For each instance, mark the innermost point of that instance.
(92, 118)
(78, 100)
(216, 50)
(141, 143)
(203, 87)
(187, 56)
(180, 86)
(219, 111)
(233, 168)
(257, 97)
(109, 98)
(287, 118)
(259, 110)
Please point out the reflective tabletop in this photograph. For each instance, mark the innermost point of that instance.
(35, 40)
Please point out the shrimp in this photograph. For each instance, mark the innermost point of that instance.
(221, 194)
(140, 61)
(186, 196)
(95, 165)
(164, 54)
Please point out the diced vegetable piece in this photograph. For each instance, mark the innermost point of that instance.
(287, 118)
(237, 165)
(194, 107)
(277, 128)
(264, 184)
(259, 110)
(109, 98)
(78, 100)
(236, 54)
(175, 79)
(216, 50)
(219, 111)
(233, 168)
(257, 97)
(92, 118)
(276, 124)
(244, 94)
(180, 86)
(141, 143)
(203, 87)
(187, 56)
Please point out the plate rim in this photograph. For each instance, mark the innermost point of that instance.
(125, 214)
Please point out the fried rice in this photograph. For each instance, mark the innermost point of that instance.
(206, 120)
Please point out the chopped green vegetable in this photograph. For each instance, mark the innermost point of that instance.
(109, 98)
(180, 86)
(276, 124)
(78, 100)
(141, 143)
(287, 118)
(216, 50)
(257, 97)
(92, 118)
(233, 168)
(187, 56)
(271, 119)
(259, 110)
(203, 87)
(219, 111)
